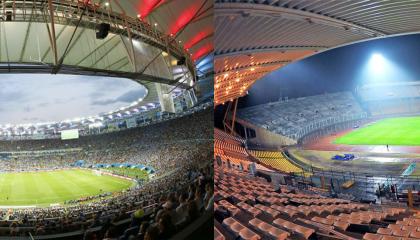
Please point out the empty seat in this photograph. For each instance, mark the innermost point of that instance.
(402, 223)
(400, 233)
(394, 227)
(239, 230)
(304, 231)
(415, 234)
(250, 209)
(247, 234)
(384, 231)
(231, 208)
(236, 227)
(372, 236)
(409, 228)
(255, 222)
(278, 233)
(268, 229)
(341, 225)
(273, 213)
(386, 237)
(323, 220)
(218, 235)
(228, 221)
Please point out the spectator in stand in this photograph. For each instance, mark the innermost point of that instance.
(166, 228)
(179, 147)
(152, 233)
(181, 210)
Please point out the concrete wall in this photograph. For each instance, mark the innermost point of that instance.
(266, 138)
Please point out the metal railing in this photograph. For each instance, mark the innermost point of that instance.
(68, 12)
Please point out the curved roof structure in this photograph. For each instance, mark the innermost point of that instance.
(190, 22)
(63, 33)
(166, 45)
(255, 38)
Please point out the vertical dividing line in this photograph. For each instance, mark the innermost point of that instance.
(54, 42)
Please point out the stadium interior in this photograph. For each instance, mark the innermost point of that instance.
(316, 120)
(106, 119)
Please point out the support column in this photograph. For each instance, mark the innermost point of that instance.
(165, 98)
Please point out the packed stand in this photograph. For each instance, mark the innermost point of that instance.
(179, 150)
(148, 146)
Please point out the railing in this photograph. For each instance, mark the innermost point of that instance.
(67, 12)
(333, 128)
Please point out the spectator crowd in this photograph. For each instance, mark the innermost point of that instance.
(180, 151)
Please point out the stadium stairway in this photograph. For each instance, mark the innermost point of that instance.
(247, 207)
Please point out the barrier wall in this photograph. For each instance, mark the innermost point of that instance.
(266, 138)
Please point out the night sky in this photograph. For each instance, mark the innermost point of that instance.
(338, 69)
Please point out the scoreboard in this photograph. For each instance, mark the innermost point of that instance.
(70, 134)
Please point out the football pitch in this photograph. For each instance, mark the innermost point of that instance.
(51, 187)
(392, 131)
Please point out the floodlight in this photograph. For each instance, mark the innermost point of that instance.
(377, 62)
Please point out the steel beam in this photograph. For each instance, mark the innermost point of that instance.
(255, 9)
(222, 54)
(74, 70)
(66, 12)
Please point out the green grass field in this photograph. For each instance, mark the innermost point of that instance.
(44, 188)
(392, 131)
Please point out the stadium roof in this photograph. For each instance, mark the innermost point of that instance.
(34, 39)
(255, 38)
(66, 35)
(189, 21)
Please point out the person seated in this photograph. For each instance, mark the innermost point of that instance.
(152, 233)
(181, 210)
(166, 228)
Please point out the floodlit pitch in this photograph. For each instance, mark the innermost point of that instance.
(45, 188)
(403, 131)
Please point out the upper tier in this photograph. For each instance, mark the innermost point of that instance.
(295, 118)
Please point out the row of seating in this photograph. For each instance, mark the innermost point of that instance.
(265, 154)
(222, 136)
(230, 149)
(276, 161)
(247, 207)
(407, 228)
(296, 117)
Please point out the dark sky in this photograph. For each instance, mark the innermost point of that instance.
(337, 69)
